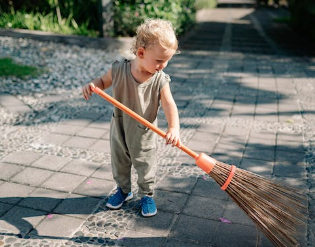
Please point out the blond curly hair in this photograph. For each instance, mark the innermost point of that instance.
(155, 31)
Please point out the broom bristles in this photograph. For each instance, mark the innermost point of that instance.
(278, 210)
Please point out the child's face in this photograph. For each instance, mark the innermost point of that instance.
(155, 58)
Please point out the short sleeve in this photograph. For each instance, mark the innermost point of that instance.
(166, 79)
(115, 69)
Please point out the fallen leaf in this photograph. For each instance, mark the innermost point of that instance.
(225, 220)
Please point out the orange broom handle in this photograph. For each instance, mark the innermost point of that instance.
(139, 118)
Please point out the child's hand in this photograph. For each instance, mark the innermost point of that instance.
(172, 137)
(86, 91)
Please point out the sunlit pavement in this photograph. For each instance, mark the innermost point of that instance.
(244, 86)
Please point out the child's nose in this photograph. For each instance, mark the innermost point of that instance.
(163, 65)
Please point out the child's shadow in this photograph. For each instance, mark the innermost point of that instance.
(20, 216)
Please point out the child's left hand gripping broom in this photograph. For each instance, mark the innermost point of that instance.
(276, 209)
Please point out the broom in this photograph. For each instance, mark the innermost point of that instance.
(277, 210)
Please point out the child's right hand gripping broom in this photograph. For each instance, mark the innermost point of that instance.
(276, 209)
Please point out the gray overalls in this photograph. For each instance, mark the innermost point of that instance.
(132, 143)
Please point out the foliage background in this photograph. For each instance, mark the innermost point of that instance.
(303, 16)
(130, 13)
(82, 16)
(75, 16)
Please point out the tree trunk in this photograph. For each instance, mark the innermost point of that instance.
(106, 14)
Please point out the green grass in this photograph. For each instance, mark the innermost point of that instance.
(47, 23)
(9, 68)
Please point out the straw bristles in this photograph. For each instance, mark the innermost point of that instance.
(278, 210)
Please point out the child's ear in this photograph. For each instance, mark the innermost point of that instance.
(140, 52)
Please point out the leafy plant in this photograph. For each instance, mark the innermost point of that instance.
(130, 13)
(9, 68)
(82, 17)
(285, 19)
(205, 4)
(303, 16)
(48, 22)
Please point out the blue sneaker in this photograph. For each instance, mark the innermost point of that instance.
(148, 207)
(117, 200)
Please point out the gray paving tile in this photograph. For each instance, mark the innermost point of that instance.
(176, 243)
(32, 176)
(202, 232)
(290, 169)
(177, 184)
(92, 132)
(139, 239)
(293, 157)
(170, 201)
(216, 112)
(77, 122)
(101, 146)
(89, 114)
(66, 129)
(265, 242)
(157, 226)
(5, 208)
(22, 158)
(105, 172)
(13, 193)
(81, 167)
(100, 124)
(210, 189)
(236, 115)
(199, 207)
(77, 206)
(21, 220)
(184, 158)
(67, 226)
(51, 162)
(266, 142)
(9, 100)
(96, 187)
(20, 109)
(236, 131)
(79, 142)
(289, 107)
(236, 235)
(205, 136)
(63, 182)
(234, 150)
(263, 135)
(233, 213)
(244, 110)
(204, 145)
(52, 98)
(290, 146)
(260, 167)
(267, 154)
(289, 137)
(43, 199)
(228, 159)
(263, 113)
(54, 139)
(239, 140)
(9, 170)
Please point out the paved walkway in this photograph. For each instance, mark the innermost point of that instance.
(244, 85)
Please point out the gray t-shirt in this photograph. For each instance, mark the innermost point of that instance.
(144, 98)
